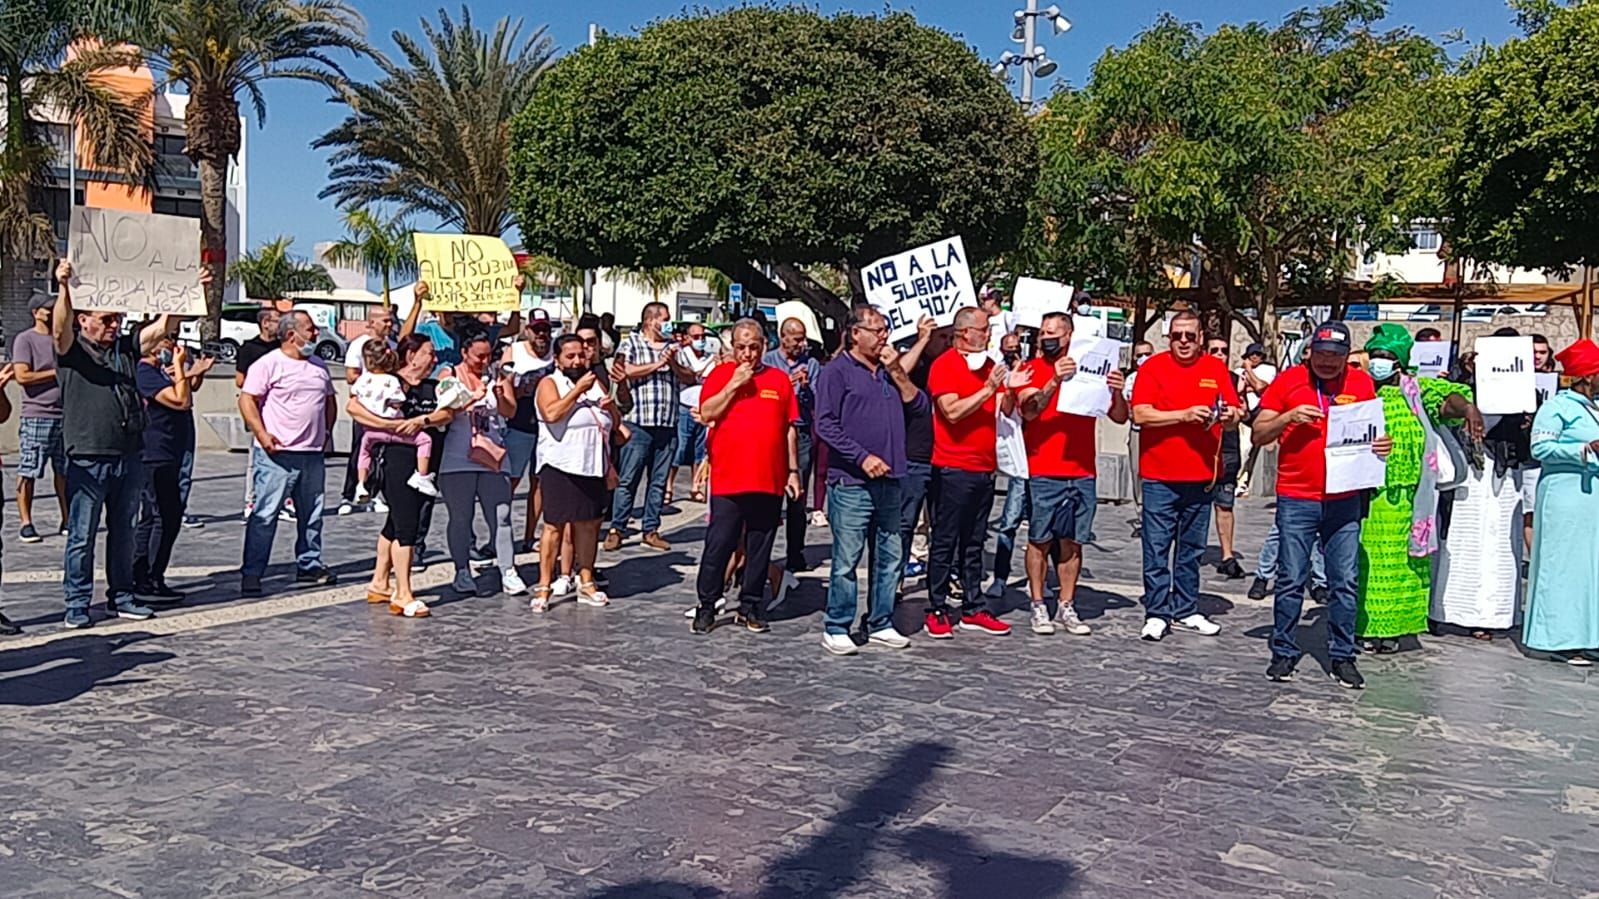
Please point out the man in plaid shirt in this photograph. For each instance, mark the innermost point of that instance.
(655, 375)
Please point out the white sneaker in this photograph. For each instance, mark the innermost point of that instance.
(1041, 622)
(464, 583)
(721, 606)
(511, 582)
(819, 519)
(422, 483)
(362, 494)
(346, 508)
(563, 585)
(379, 506)
(1066, 618)
(1154, 630)
(1199, 624)
(889, 637)
(839, 644)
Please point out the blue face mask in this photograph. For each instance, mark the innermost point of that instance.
(1382, 369)
(666, 328)
(166, 357)
(700, 344)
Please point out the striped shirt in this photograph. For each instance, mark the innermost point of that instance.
(654, 395)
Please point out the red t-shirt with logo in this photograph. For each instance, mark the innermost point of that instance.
(1059, 444)
(968, 444)
(1186, 452)
(1302, 449)
(748, 447)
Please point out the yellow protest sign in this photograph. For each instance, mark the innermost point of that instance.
(467, 272)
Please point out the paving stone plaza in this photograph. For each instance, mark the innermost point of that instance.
(306, 744)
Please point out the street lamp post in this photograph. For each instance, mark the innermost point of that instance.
(1033, 60)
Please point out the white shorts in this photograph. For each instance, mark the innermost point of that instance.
(1529, 489)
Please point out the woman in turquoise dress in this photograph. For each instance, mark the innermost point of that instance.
(1563, 604)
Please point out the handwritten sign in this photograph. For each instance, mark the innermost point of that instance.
(135, 262)
(467, 272)
(929, 280)
(1351, 430)
(1430, 358)
(1034, 298)
(1087, 393)
(1506, 382)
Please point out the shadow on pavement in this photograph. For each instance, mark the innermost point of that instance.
(66, 669)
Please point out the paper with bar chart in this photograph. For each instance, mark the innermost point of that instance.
(1351, 430)
(1506, 382)
(1087, 393)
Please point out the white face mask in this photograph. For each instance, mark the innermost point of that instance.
(975, 361)
(1139, 362)
(1382, 369)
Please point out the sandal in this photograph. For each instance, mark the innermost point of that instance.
(374, 596)
(541, 600)
(697, 496)
(590, 595)
(1482, 635)
(416, 608)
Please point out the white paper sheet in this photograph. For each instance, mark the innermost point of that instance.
(1351, 430)
(1087, 393)
(1506, 382)
(1548, 383)
(1430, 358)
(1034, 298)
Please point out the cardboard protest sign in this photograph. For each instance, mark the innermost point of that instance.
(1506, 381)
(1034, 298)
(135, 262)
(467, 272)
(929, 280)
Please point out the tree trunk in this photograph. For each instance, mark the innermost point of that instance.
(214, 239)
(16, 289)
(823, 301)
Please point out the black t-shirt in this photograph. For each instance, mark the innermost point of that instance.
(170, 432)
(421, 398)
(526, 418)
(250, 351)
(102, 414)
(919, 425)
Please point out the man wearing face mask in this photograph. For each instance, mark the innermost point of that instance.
(1011, 458)
(1142, 350)
(793, 358)
(651, 361)
(698, 354)
(1182, 400)
(968, 389)
(1061, 461)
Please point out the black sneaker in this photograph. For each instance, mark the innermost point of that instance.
(29, 535)
(158, 587)
(1281, 669)
(1347, 675)
(193, 521)
(1231, 570)
(752, 622)
(1318, 595)
(321, 577)
(8, 627)
(704, 620)
(1259, 588)
(797, 565)
(249, 586)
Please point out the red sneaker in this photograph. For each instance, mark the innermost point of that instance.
(939, 626)
(985, 622)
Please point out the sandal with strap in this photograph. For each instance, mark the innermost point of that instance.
(377, 596)
(590, 595)
(541, 600)
(415, 608)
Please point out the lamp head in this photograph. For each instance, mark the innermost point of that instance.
(1043, 67)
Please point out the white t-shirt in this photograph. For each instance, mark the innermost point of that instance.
(524, 360)
(380, 394)
(998, 326)
(701, 365)
(352, 355)
(580, 443)
(1264, 371)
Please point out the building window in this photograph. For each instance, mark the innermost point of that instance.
(176, 206)
(59, 137)
(170, 160)
(1424, 238)
(60, 211)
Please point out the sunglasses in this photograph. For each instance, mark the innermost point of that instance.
(1183, 336)
(1217, 351)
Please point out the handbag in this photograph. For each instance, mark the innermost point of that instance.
(484, 451)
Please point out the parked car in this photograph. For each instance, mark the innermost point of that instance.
(238, 324)
(1361, 312)
(330, 344)
(1429, 313)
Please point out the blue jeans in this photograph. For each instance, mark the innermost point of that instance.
(1266, 568)
(1010, 522)
(1334, 525)
(652, 448)
(690, 439)
(114, 484)
(858, 513)
(286, 475)
(1174, 513)
(912, 496)
(186, 476)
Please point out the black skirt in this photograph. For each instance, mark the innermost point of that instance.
(571, 498)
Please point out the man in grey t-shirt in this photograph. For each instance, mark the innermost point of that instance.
(33, 355)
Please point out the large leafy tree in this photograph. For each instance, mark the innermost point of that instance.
(35, 75)
(271, 272)
(772, 135)
(224, 51)
(379, 246)
(1274, 154)
(432, 134)
(1523, 186)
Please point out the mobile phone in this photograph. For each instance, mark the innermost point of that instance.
(211, 348)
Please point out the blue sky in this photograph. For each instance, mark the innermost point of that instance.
(285, 174)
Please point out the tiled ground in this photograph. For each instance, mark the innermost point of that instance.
(337, 751)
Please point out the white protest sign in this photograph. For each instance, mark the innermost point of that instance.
(135, 262)
(1087, 393)
(1034, 298)
(1430, 358)
(1506, 382)
(1548, 384)
(1351, 430)
(929, 280)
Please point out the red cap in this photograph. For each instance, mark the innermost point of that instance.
(1580, 360)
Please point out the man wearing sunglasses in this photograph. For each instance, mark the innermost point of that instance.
(1181, 402)
(103, 428)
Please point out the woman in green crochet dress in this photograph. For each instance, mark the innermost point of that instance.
(1400, 533)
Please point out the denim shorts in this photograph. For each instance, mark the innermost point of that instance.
(39, 441)
(520, 448)
(1061, 509)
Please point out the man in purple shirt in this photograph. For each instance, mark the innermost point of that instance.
(860, 415)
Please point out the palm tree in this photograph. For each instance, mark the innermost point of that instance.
(541, 268)
(222, 49)
(656, 280)
(35, 75)
(380, 247)
(432, 135)
(272, 272)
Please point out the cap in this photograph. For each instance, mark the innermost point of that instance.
(538, 316)
(1332, 337)
(40, 301)
(1255, 349)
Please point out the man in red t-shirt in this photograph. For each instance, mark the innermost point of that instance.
(750, 409)
(1061, 454)
(968, 389)
(1293, 412)
(1182, 399)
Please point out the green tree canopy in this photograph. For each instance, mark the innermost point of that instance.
(777, 135)
(271, 272)
(1523, 187)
